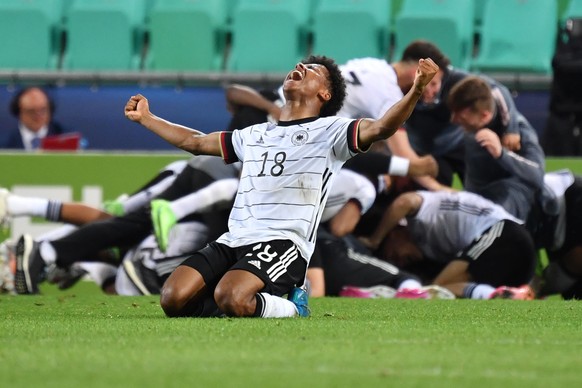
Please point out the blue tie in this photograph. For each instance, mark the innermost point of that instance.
(35, 142)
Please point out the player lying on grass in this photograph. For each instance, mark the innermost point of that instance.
(144, 266)
(130, 228)
(559, 232)
(485, 251)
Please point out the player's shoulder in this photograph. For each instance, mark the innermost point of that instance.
(365, 64)
(330, 122)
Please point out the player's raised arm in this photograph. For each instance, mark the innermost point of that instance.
(373, 130)
(190, 140)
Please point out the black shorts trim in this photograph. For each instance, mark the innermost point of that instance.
(504, 255)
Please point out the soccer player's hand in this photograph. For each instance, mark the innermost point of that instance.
(425, 165)
(425, 72)
(490, 141)
(511, 141)
(137, 108)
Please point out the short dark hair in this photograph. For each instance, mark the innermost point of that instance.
(471, 92)
(419, 49)
(337, 85)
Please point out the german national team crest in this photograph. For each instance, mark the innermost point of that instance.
(299, 138)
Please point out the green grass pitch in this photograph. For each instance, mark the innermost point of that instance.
(82, 338)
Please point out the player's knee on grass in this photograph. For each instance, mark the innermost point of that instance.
(235, 294)
(235, 301)
(182, 292)
(173, 301)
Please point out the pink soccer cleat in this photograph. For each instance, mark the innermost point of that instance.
(524, 292)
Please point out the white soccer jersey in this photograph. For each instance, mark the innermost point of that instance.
(371, 87)
(346, 186)
(287, 173)
(447, 223)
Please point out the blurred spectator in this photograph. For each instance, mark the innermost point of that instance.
(563, 132)
(34, 109)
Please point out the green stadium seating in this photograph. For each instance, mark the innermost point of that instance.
(517, 35)
(187, 35)
(30, 34)
(573, 9)
(268, 35)
(479, 8)
(345, 29)
(104, 35)
(447, 23)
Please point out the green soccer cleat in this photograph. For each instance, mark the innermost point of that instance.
(163, 220)
(115, 207)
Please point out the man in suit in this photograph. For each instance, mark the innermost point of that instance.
(34, 109)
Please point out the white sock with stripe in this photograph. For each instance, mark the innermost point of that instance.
(478, 291)
(275, 306)
(26, 206)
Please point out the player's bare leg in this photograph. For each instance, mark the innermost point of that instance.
(182, 292)
(236, 293)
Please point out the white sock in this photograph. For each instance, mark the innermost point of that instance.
(135, 201)
(482, 291)
(181, 207)
(276, 307)
(219, 192)
(99, 272)
(47, 252)
(24, 206)
(410, 284)
(57, 233)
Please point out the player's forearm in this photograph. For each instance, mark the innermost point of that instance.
(174, 134)
(405, 205)
(242, 95)
(187, 139)
(398, 113)
(429, 183)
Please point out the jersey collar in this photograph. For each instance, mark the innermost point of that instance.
(296, 122)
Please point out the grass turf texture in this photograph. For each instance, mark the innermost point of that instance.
(83, 338)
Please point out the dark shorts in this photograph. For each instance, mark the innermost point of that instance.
(347, 262)
(277, 263)
(502, 255)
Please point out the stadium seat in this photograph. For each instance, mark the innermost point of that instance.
(104, 35)
(30, 34)
(479, 8)
(268, 35)
(187, 35)
(517, 35)
(367, 35)
(446, 23)
(573, 9)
